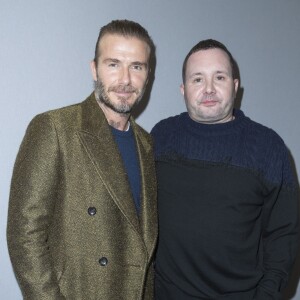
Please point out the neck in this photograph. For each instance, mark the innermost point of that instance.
(114, 119)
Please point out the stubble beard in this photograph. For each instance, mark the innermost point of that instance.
(122, 107)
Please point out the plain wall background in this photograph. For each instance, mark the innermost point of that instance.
(46, 47)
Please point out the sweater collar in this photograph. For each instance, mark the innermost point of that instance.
(215, 129)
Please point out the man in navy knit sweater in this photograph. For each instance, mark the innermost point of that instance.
(227, 197)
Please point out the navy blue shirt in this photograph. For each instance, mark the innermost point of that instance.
(127, 147)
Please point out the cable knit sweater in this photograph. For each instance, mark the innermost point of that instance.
(228, 215)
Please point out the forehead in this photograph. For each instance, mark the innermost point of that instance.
(209, 60)
(115, 44)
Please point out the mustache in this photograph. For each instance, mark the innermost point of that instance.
(208, 98)
(123, 89)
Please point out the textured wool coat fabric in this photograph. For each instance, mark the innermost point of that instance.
(73, 232)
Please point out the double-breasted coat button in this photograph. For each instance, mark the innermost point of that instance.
(103, 261)
(92, 211)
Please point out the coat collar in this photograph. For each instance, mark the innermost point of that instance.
(99, 143)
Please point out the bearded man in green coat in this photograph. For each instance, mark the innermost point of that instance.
(82, 221)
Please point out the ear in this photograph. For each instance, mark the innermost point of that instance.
(182, 89)
(148, 76)
(94, 70)
(236, 85)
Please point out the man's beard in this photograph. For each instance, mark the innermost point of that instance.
(122, 107)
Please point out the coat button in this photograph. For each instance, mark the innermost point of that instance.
(103, 261)
(92, 211)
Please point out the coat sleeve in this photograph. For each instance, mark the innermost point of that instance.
(31, 205)
(280, 231)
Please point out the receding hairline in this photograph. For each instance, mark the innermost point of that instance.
(207, 50)
(125, 36)
(125, 28)
(212, 49)
(207, 45)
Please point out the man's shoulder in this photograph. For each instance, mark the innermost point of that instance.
(65, 115)
(63, 112)
(261, 131)
(167, 125)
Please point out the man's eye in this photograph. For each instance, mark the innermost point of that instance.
(197, 80)
(113, 65)
(137, 67)
(220, 78)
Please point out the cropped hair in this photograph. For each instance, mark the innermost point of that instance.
(205, 45)
(124, 28)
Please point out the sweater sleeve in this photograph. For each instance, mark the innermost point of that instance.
(280, 228)
(31, 205)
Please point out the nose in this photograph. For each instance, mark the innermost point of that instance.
(209, 87)
(125, 77)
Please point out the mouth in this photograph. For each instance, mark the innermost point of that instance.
(124, 95)
(209, 103)
(125, 92)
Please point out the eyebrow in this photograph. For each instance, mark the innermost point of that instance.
(108, 60)
(139, 63)
(195, 74)
(201, 74)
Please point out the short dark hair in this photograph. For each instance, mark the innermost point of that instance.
(205, 45)
(124, 28)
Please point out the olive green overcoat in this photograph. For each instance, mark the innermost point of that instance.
(73, 232)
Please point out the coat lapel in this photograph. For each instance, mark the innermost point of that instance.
(148, 217)
(101, 148)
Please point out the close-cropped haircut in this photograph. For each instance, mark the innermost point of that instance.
(124, 28)
(205, 45)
